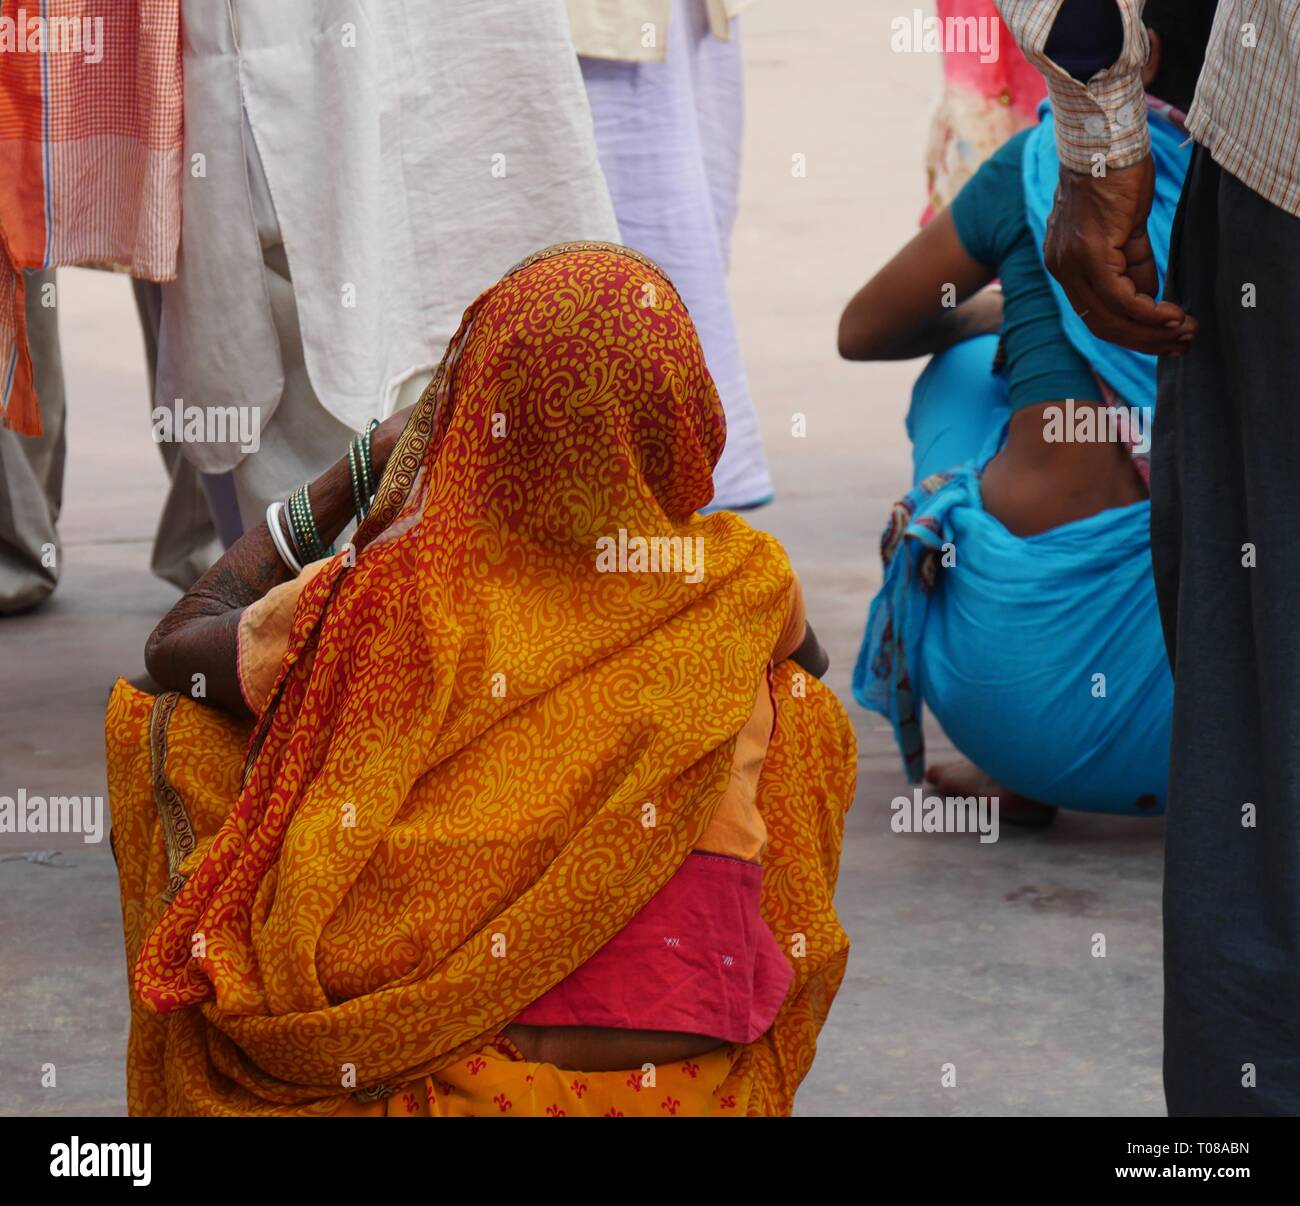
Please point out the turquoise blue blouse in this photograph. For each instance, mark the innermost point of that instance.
(992, 223)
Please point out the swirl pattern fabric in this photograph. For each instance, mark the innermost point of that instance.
(445, 804)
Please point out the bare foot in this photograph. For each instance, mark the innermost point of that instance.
(966, 779)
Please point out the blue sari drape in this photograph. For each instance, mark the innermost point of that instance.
(1041, 656)
(1130, 374)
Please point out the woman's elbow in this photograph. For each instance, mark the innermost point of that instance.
(816, 661)
(152, 655)
(157, 654)
(811, 656)
(855, 338)
(845, 342)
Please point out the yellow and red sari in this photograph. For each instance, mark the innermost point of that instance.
(443, 810)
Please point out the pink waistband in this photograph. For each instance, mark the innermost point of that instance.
(698, 958)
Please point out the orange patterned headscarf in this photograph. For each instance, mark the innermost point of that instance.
(483, 755)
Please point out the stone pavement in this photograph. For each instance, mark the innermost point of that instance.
(974, 955)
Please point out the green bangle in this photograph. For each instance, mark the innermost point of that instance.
(360, 470)
(300, 535)
(359, 504)
(306, 534)
(318, 545)
(367, 463)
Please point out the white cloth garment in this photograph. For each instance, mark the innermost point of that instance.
(669, 137)
(413, 153)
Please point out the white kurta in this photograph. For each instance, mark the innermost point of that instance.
(413, 153)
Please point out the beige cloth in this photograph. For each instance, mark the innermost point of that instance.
(297, 443)
(185, 543)
(264, 628)
(636, 31)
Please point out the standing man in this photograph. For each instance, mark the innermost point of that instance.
(85, 178)
(665, 82)
(1225, 513)
(356, 172)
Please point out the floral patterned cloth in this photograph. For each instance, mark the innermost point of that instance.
(496, 1081)
(983, 104)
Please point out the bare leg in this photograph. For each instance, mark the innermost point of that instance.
(964, 778)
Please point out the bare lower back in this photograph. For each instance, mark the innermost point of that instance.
(1037, 483)
(598, 1049)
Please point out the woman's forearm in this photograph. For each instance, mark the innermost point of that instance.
(195, 647)
(935, 333)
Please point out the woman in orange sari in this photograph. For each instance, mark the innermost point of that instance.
(518, 804)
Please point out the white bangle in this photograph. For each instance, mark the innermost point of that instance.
(273, 513)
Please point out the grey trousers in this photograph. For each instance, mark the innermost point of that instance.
(1225, 540)
(31, 469)
(301, 439)
(31, 477)
(185, 543)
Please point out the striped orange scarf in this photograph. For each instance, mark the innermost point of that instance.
(90, 155)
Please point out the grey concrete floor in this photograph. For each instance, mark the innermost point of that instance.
(979, 956)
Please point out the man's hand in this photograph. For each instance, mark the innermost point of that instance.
(1098, 248)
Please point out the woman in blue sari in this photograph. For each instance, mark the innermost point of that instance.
(1018, 601)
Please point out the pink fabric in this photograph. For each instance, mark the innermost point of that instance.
(983, 103)
(698, 959)
(1011, 73)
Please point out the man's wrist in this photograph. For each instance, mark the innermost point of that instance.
(1070, 178)
(1103, 124)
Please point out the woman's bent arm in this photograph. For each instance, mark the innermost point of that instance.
(916, 304)
(200, 635)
